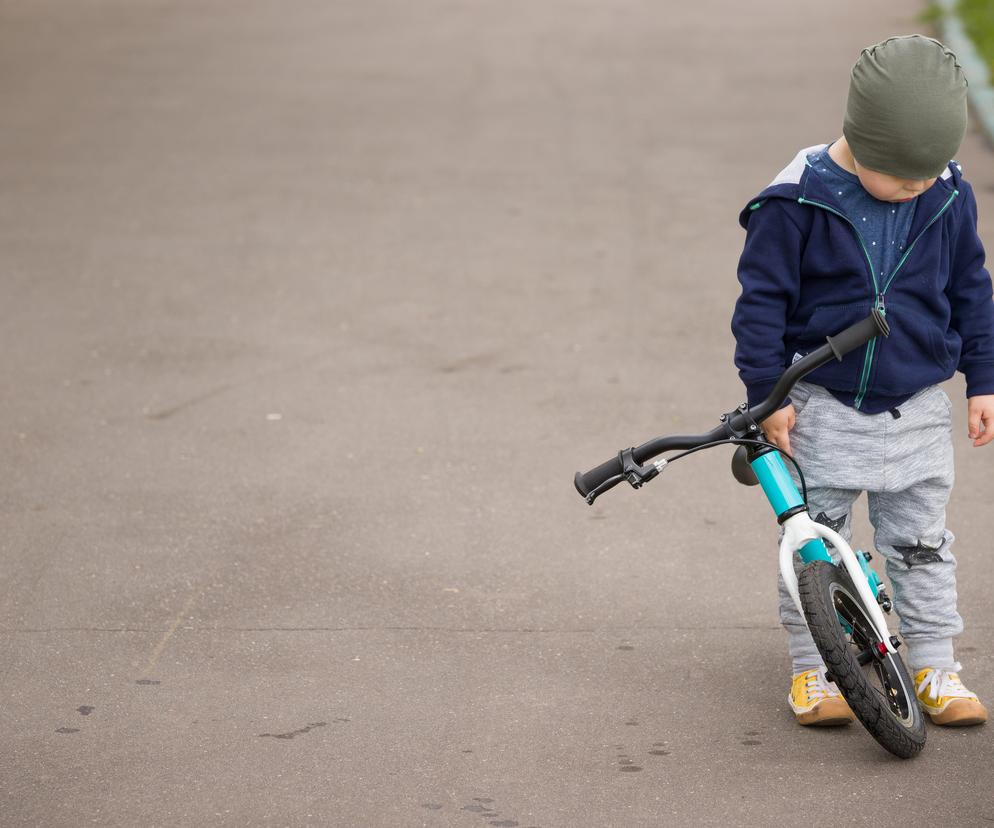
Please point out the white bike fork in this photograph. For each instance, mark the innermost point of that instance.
(798, 530)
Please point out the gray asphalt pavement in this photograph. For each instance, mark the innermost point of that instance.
(310, 312)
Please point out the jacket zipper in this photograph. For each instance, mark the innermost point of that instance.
(879, 304)
(922, 233)
(847, 220)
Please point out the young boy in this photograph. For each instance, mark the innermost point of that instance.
(881, 217)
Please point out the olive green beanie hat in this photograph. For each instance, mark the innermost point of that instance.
(906, 113)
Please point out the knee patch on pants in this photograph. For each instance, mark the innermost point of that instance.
(912, 553)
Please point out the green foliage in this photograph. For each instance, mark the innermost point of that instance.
(978, 20)
(931, 13)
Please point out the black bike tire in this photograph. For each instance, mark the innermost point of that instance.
(815, 587)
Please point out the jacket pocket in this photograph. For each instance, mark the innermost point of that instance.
(914, 355)
(829, 320)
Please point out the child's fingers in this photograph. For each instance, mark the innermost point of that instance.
(973, 423)
(988, 433)
(780, 439)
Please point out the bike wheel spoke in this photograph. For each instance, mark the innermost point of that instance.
(864, 643)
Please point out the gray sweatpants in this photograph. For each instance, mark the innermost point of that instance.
(905, 466)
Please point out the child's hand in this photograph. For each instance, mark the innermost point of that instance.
(780, 422)
(981, 410)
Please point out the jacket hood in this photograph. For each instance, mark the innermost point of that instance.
(796, 181)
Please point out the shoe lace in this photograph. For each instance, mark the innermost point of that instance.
(942, 683)
(818, 687)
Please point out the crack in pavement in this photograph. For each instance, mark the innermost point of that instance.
(286, 368)
(293, 733)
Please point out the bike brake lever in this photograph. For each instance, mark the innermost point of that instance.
(610, 483)
(635, 474)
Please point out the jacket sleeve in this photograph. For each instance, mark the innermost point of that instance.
(769, 272)
(969, 291)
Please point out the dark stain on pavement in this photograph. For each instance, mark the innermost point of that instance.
(293, 733)
(627, 764)
(67, 730)
(751, 741)
(85, 709)
(476, 361)
(166, 413)
(483, 805)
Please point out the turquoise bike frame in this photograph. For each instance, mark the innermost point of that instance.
(780, 490)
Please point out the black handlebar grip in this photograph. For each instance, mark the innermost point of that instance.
(586, 483)
(859, 334)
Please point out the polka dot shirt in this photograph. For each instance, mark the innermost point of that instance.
(883, 226)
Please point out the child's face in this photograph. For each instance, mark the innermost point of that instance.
(885, 187)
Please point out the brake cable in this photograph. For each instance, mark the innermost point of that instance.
(744, 441)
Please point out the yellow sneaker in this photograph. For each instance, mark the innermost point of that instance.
(943, 696)
(817, 701)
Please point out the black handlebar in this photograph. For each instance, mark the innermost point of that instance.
(628, 465)
(859, 334)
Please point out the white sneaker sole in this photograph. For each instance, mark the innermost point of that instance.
(828, 712)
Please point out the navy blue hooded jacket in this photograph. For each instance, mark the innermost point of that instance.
(805, 276)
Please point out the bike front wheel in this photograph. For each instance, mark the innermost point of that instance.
(877, 687)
